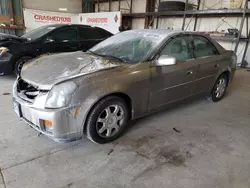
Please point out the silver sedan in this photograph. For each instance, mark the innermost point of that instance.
(134, 73)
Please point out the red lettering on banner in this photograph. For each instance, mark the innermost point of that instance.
(97, 20)
(35, 16)
(52, 18)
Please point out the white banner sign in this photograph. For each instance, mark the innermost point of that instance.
(111, 21)
(36, 18)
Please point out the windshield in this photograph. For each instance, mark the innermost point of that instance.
(129, 46)
(39, 32)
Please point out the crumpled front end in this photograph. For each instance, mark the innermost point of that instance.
(61, 125)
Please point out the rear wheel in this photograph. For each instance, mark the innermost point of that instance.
(20, 62)
(219, 88)
(107, 120)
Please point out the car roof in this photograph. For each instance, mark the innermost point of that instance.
(166, 32)
(62, 25)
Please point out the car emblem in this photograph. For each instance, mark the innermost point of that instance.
(116, 18)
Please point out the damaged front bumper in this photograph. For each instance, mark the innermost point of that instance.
(61, 125)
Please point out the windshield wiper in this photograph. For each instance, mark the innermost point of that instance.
(117, 58)
(108, 56)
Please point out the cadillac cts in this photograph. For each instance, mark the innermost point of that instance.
(129, 75)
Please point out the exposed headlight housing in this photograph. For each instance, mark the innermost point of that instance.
(3, 50)
(61, 95)
(5, 55)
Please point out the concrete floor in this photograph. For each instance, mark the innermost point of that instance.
(212, 149)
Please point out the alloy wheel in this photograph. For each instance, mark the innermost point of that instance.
(220, 87)
(110, 121)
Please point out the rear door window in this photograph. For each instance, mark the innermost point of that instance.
(93, 33)
(203, 47)
(65, 35)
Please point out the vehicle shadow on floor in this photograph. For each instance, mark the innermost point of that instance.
(8, 77)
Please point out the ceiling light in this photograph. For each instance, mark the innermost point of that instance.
(63, 9)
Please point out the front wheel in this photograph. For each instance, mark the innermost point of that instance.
(19, 64)
(107, 120)
(219, 88)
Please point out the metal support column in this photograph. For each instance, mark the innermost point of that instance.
(245, 50)
(184, 16)
(157, 17)
(196, 17)
(241, 26)
(247, 42)
(109, 5)
(11, 12)
(150, 7)
(130, 9)
(98, 6)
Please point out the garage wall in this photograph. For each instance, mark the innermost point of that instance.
(176, 23)
(203, 24)
(137, 6)
(138, 23)
(73, 6)
(211, 24)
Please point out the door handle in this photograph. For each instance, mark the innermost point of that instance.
(216, 65)
(189, 72)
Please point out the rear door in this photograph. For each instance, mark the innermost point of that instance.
(207, 59)
(90, 36)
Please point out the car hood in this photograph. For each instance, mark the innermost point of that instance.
(7, 38)
(48, 70)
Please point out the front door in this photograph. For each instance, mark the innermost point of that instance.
(64, 40)
(174, 82)
(207, 59)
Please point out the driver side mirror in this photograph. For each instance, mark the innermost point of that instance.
(165, 60)
(49, 40)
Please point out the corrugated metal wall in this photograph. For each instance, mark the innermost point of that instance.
(4, 10)
(4, 7)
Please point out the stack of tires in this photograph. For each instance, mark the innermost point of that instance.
(173, 6)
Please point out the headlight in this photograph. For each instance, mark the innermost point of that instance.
(60, 95)
(4, 54)
(3, 50)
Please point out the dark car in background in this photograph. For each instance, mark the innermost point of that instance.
(15, 51)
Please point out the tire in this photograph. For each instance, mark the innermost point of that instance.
(218, 93)
(103, 128)
(19, 64)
